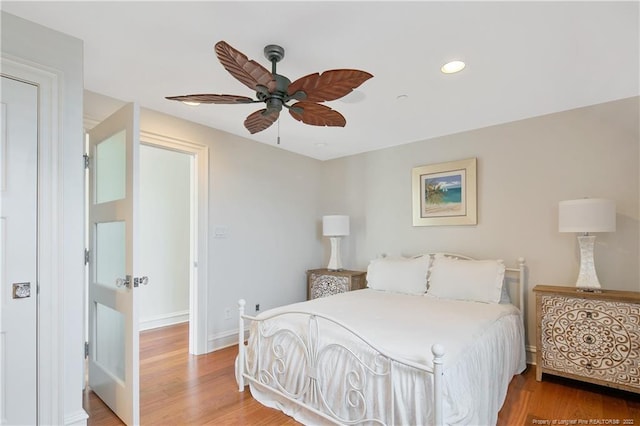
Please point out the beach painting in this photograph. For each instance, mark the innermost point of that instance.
(445, 193)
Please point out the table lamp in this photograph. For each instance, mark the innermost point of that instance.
(584, 216)
(335, 227)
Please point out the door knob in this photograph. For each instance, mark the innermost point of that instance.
(21, 290)
(140, 280)
(124, 282)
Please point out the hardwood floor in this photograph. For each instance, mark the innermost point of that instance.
(181, 389)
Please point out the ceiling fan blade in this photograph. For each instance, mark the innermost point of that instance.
(248, 72)
(329, 85)
(213, 99)
(316, 114)
(260, 120)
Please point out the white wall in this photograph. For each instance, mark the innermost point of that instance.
(61, 240)
(524, 169)
(165, 194)
(266, 200)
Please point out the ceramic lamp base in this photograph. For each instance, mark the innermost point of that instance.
(587, 277)
(335, 262)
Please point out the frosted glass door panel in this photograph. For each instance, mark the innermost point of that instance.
(110, 240)
(110, 341)
(114, 348)
(111, 168)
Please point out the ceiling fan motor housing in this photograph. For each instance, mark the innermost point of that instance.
(276, 99)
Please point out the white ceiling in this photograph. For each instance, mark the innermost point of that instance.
(524, 59)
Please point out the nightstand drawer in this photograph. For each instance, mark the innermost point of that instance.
(594, 336)
(323, 282)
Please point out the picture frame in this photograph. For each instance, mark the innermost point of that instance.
(445, 193)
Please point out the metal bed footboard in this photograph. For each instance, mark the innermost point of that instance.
(373, 367)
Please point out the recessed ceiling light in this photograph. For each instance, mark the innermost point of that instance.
(191, 103)
(453, 67)
(321, 144)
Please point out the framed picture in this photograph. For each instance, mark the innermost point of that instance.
(445, 194)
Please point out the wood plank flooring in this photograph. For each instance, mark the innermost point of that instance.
(181, 389)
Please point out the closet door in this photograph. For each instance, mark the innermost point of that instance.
(18, 251)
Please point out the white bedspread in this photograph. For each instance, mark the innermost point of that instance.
(484, 348)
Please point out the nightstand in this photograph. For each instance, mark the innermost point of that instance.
(592, 336)
(323, 282)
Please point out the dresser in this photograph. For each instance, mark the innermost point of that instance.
(324, 282)
(593, 336)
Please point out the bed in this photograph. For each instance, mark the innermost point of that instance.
(433, 339)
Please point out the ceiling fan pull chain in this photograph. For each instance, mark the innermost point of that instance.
(278, 130)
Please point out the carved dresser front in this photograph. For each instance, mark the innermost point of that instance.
(325, 282)
(589, 335)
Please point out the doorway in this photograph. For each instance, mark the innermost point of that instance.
(165, 235)
(198, 155)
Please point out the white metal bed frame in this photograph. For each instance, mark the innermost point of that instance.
(382, 365)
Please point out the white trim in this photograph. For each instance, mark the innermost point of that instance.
(79, 418)
(164, 320)
(198, 294)
(50, 244)
(224, 339)
(531, 354)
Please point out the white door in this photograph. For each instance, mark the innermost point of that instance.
(18, 248)
(114, 358)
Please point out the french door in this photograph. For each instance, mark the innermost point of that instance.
(114, 359)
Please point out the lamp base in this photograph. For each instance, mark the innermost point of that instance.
(335, 264)
(587, 277)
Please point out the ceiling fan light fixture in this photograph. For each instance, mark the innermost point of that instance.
(191, 103)
(453, 67)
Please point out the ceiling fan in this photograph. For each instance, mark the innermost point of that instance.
(276, 90)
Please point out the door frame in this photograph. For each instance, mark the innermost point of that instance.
(199, 255)
(49, 316)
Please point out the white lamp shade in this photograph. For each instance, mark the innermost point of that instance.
(335, 225)
(587, 215)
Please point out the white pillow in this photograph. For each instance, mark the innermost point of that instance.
(476, 280)
(399, 274)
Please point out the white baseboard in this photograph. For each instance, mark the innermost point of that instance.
(79, 418)
(531, 354)
(224, 340)
(164, 320)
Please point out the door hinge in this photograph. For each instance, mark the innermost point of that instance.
(86, 256)
(86, 350)
(86, 160)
